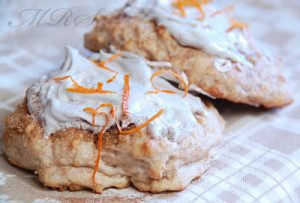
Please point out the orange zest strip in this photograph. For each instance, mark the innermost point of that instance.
(176, 75)
(198, 5)
(61, 78)
(100, 135)
(180, 7)
(168, 91)
(200, 8)
(227, 10)
(126, 91)
(236, 25)
(102, 64)
(94, 111)
(80, 89)
(157, 90)
(180, 4)
(113, 57)
(99, 146)
(91, 111)
(112, 78)
(206, 1)
(112, 111)
(139, 127)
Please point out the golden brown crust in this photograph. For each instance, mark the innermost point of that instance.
(66, 159)
(262, 85)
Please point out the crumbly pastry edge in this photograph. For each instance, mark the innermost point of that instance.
(24, 143)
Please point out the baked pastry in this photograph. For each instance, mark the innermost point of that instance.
(108, 121)
(214, 50)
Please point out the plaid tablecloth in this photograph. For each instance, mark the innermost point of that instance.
(260, 159)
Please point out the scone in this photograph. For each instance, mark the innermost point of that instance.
(214, 50)
(108, 121)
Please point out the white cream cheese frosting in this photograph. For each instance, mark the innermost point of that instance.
(50, 102)
(209, 34)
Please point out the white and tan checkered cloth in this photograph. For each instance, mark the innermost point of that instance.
(260, 160)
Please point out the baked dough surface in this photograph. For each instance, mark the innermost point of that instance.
(66, 159)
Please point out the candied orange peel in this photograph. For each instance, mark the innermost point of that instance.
(176, 75)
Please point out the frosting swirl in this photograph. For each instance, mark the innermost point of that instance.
(57, 108)
(211, 34)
